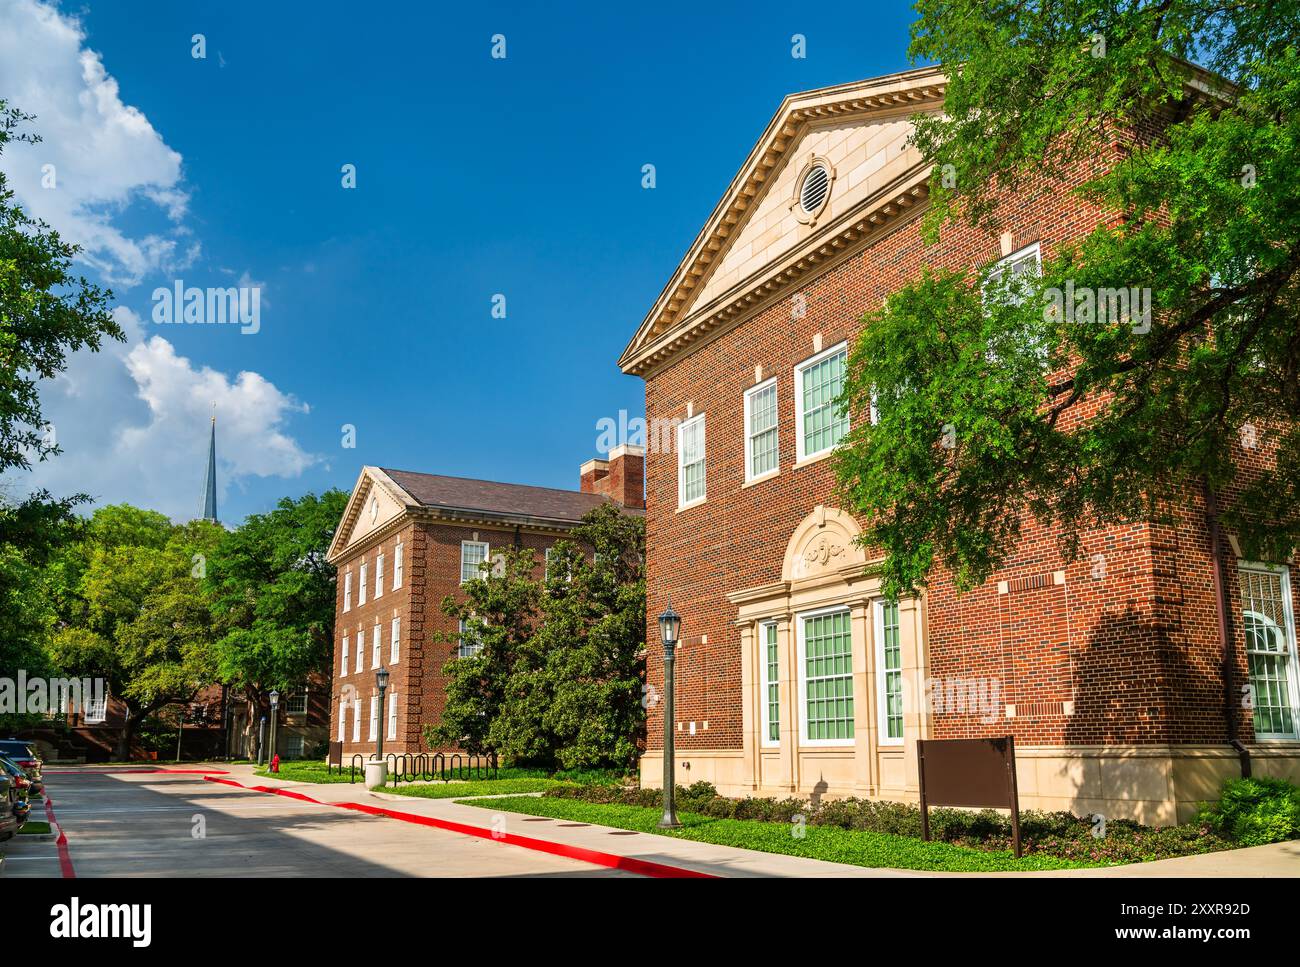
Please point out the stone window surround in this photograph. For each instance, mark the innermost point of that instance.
(824, 569)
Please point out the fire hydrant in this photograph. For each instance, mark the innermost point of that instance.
(275, 762)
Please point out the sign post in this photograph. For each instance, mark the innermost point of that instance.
(969, 772)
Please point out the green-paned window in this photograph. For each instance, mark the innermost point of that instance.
(1269, 629)
(761, 449)
(690, 461)
(828, 677)
(771, 685)
(820, 382)
(891, 673)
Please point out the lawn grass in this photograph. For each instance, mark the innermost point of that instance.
(475, 787)
(34, 828)
(830, 843)
(305, 770)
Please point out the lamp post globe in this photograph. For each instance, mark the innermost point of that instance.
(670, 628)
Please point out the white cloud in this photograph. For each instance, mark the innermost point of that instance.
(132, 421)
(106, 155)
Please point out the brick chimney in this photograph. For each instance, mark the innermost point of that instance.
(621, 477)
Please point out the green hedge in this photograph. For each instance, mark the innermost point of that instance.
(1253, 812)
(1058, 834)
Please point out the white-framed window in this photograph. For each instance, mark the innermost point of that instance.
(1269, 626)
(472, 554)
(826, 677)
(356, 720)
(96, 709)
(398, 565)
(889, 675)
(295, 702)
(568, 576)
(690, 462)
(344, 672)
(361, 649)
(392, 715)
(347, 590)
(374, 719)
(769, 665)
(379, 574)
(365, 579)
(376, 642)
(817, 382)
(343, 720)
(467, 649)
(762, 455)
(1026, 263)
(394, 641)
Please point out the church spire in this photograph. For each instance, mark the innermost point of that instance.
(210, 488)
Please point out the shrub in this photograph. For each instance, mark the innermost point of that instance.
(1253, 812)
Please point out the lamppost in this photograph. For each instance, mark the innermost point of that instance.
(275, 706)
(381, 679)
(670, 626)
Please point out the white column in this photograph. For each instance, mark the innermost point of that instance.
(864, 705)
(749, 697)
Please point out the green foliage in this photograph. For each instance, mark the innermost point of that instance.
(557, 679)
(474, 787)
(273, 594)
(131, 609)
(830, 843)
(1060, 834)
(997, 409)
(1255, 811)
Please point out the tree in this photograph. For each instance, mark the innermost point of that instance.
(133, 611)
(555, 675)
(997, 402)
(273, 596)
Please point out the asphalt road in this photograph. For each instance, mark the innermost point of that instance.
(124, 823)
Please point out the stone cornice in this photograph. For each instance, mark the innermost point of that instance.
(665, 332)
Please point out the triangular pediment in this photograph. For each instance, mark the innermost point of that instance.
(376, 502)
(757, 244)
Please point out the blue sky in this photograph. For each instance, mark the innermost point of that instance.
(475, 176)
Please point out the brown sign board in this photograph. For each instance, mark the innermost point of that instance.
(978, 773)
(335, 755)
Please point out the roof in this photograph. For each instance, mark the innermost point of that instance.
(489, 496)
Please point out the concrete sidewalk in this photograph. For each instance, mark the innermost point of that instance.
(1276, 860)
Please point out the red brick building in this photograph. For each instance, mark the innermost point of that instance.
(796, 674)
(406, 542)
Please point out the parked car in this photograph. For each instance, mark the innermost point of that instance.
(27, 788)
(22, 753)
(9, 824)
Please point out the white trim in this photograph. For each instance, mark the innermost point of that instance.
(361, 650)
(764, 683)
(376, 646)
(379, 575)
(394, 641)
(883, 738)
(750, 476)
(364, 575)
(801, 676)
(343, 719)
(1006, 260)
(801, 453)
(347, 590)
(398, 565)
(1293, 665)
(356, 720)
(682, 503)
(373, 730)
(391, 714)
(487, 556)
(346, 655)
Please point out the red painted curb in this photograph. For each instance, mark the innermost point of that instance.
(65, 858)
(133, 772)
(595, 857)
